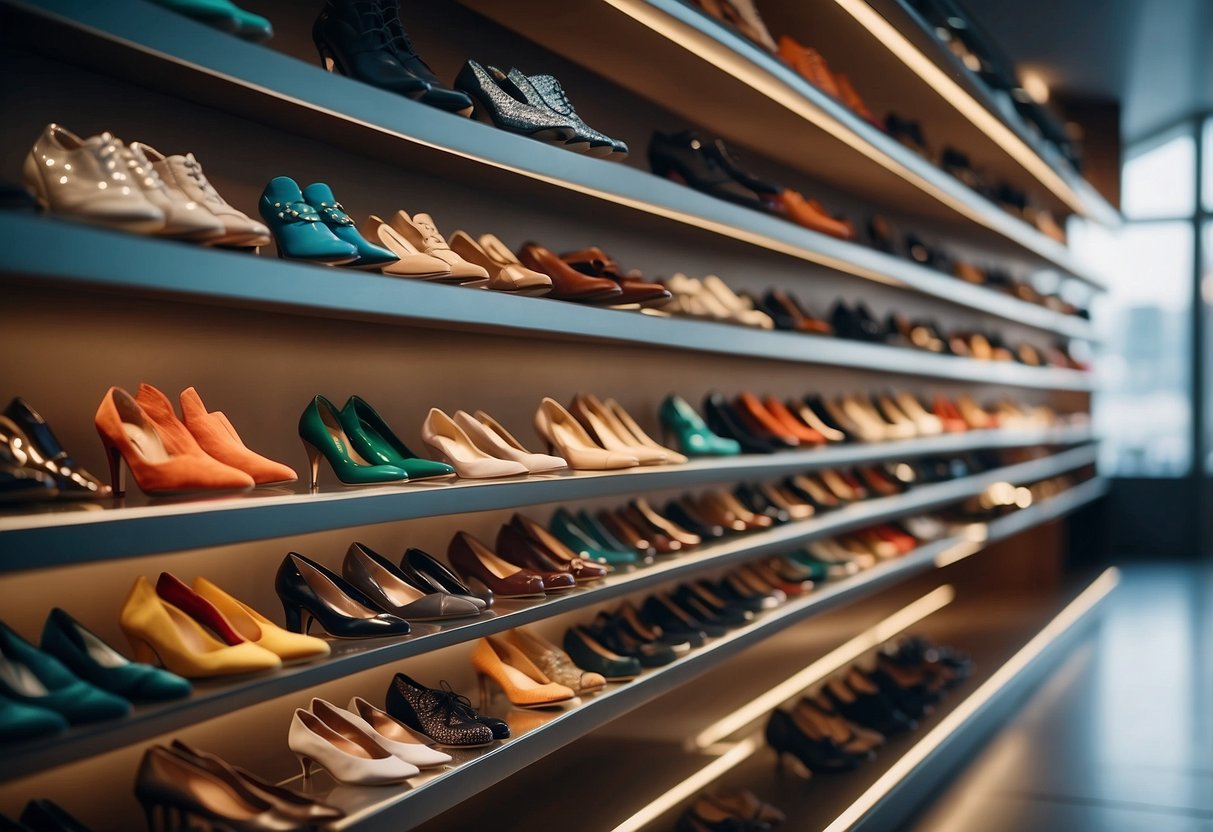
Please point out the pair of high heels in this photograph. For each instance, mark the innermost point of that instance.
(180, 786)
(533, 105)
(311, 225)
(373, 597)
(360, 745)
(34, 466)
(168, 456)
(551, 566)
(598, 435)
(524, 684)
(479, 447)
(200, 631)
(359, 446)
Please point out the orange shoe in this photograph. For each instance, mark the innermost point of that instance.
(162, 463)
(793, 425)
(218, 438)
(810, 64)
(811, 215)
(848, 96)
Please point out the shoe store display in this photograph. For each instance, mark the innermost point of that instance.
(623, 481)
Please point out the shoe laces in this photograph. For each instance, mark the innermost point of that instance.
(452, 704)
(139, 168)
(194, 171)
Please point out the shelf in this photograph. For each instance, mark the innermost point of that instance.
(670, 52)
(893, 57)
(62, 534)
(216, 698)
(370, 809)
(112, 262)
(154, 47)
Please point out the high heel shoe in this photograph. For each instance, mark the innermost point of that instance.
(683, 427)
(256, 628)
(430, 574)
(332, 214)
(175, 792)
(31, 677)
(634, 432)
(160, 465)
(554, 662)
(569, 531)
(344, 750)
(299, 231)
(565, 434)
(323, 435)
(473, 560)
(287, 803)
(49, 456)
(310, 592)
(394, 735)
(444, 435)
(493, 439)
(610, 433)
(496, 106)
(723, 421)
(794, 736)
(161, 632)
(382, 582)
(91, 659)
(218, 439)
(522, 682)
(370, 435)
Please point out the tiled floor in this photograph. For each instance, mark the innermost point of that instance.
(1120, 739)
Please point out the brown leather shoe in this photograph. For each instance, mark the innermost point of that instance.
(514, 547)
(596, 263)
(750, 409)
(475, 561)
(568, 283)
(810, 64)
(811, 215)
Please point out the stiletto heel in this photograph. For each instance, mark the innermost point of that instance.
(305, 763)
(313, 461)
(117, 472)
(485, 693)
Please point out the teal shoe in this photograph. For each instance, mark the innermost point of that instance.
(623, 553)
(299, 232)
(684, 426)
(22, 722)
(85, 654)
(332, 214)
(370, 436)
(223, 15)
(323, 435)
(32, 677)
(565, 527)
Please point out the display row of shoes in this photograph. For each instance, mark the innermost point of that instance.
(201, 450)
(844, 723)
(133, 187)
(811, 65)
(729, 809)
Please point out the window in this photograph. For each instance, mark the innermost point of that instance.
(1161, 182)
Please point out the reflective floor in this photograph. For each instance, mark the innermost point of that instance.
(1120, 739)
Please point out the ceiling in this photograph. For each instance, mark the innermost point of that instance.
(1155, 56)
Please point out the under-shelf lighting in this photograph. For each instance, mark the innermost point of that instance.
(840, 656)
(731, 755)
(973, 540)
(966, 104)
(732, 62)
(1087, 600)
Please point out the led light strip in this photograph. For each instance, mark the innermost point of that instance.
(840, 656)
(1064, 620)
(741, 68)
(966, 104)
